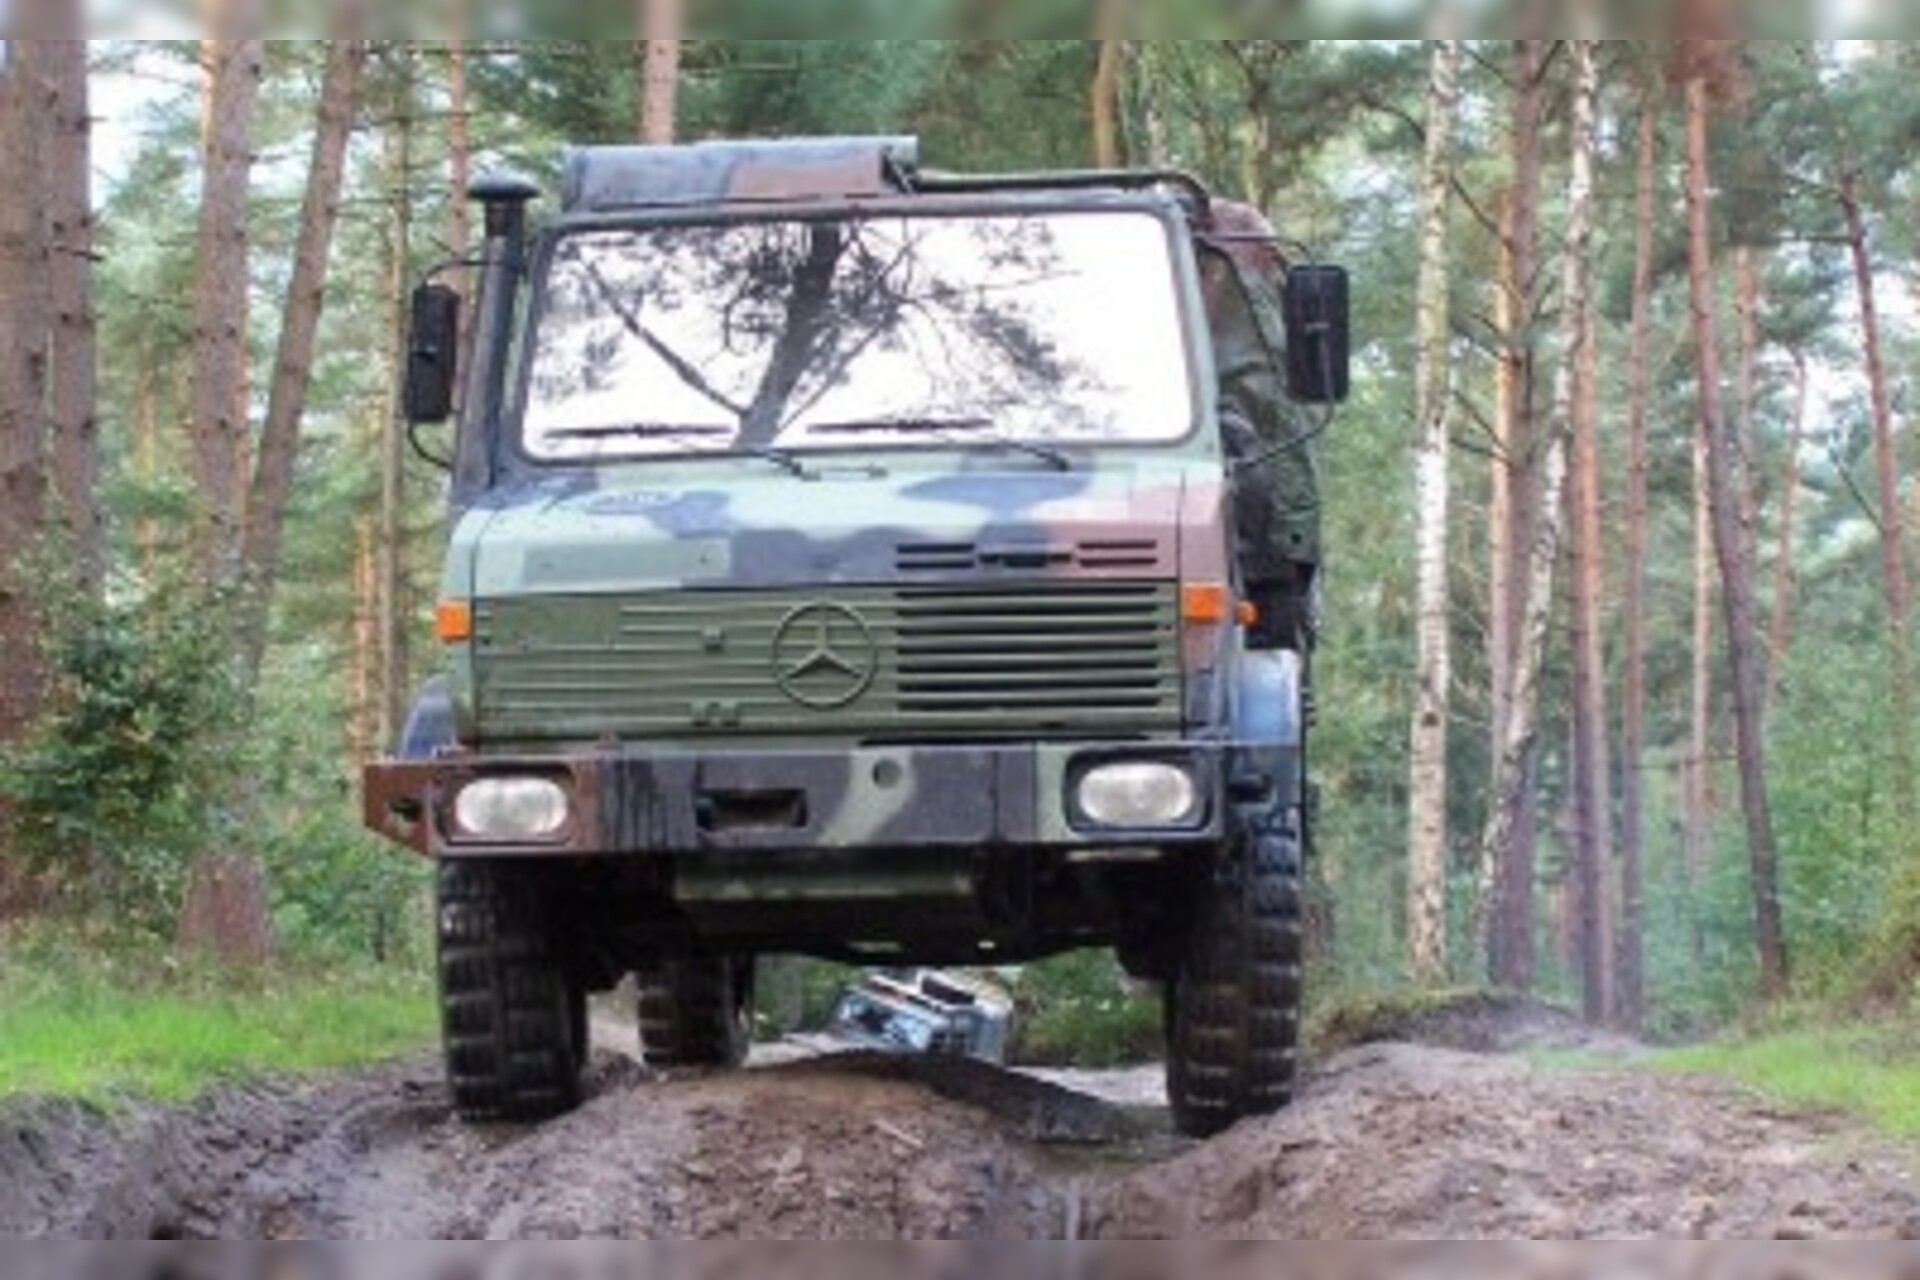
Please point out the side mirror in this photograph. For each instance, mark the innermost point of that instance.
(433, 351)
(1319, 361)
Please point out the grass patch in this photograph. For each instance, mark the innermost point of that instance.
(1079, 1010)
(1865, 1072)
(91, 1024)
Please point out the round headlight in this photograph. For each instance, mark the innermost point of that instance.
(512, 809)
(1140, 794)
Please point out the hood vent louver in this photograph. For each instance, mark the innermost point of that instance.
(1110, 555)
(1142, 554)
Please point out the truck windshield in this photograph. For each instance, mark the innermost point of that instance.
(873, 332)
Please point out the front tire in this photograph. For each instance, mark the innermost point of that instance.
(1233, 1006)
(512, 1014)
(696, 1012)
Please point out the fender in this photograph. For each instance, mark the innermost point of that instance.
(1269, 726)
(430, 728)
(1267, 709)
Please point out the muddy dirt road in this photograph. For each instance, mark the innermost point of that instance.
(1403, 1140)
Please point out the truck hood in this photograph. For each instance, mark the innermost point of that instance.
(627, 532)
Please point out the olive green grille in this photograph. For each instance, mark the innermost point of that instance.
(879, 662)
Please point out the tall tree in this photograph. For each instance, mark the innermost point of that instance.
(299, 330)
(1428, 862)
(221, 443)
(1696, 801)
(1104, 107)
(393, 604)
(460, 206)
(25, 104)
(1505, 842)
(1896, 587)
(1511, 516)
(1779, 628)
(1633, 697)
(1704, 66)
(75, 414)
(1592, 791)
(659, 69)
(1748, 291)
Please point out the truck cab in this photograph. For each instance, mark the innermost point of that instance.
(844, 562)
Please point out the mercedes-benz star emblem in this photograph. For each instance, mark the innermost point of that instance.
(824, 657)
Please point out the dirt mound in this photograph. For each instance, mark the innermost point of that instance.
(1401, 1142)
(1387, 1142)
(817, 1151)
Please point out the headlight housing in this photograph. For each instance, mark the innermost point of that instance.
(512, 810)
(1140, 795)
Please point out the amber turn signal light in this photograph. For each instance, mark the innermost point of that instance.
(453, 621)
(1207, 604)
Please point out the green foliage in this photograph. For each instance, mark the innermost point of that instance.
(1870, 1072)
(337, 888)
(130, 773)
(1080, 1010)
(1840, 839)
(88, 1018)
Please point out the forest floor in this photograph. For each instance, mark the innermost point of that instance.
(1469, 1124)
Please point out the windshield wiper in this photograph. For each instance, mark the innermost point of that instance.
(936, 426)
(687, 431)
(778, 457)
(643, 430)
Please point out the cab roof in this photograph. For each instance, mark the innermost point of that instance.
(609, 179)
(605, 180)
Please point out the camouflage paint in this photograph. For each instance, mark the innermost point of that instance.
(767, 800)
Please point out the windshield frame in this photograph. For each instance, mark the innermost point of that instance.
(1195, 355)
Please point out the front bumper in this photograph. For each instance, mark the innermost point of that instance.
(889, 798)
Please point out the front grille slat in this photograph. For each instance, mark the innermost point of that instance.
(995, 658)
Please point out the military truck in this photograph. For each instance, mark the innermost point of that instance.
(858, 561)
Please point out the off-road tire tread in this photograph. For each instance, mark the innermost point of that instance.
(691, 1014)
(512, 1017)
(1233, 1015)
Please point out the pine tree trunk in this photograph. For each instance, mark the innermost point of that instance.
(1104, 108)
(363, 726)
(393, 602)
(1779, 631)
(1507, 840)
(459, 152)
(460, 208)
(1520, 736)
(1593, 807)
(1633, 733)
(76, 427)
(220, 431)
(24, 352)
(1516, 506)
(1696, 803)
(1508, 372)
(659, 71)
(1747, 302)
(1736, 580)
(1427, 819)
(1896, 590)
(1153, 103)
(299, 331)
